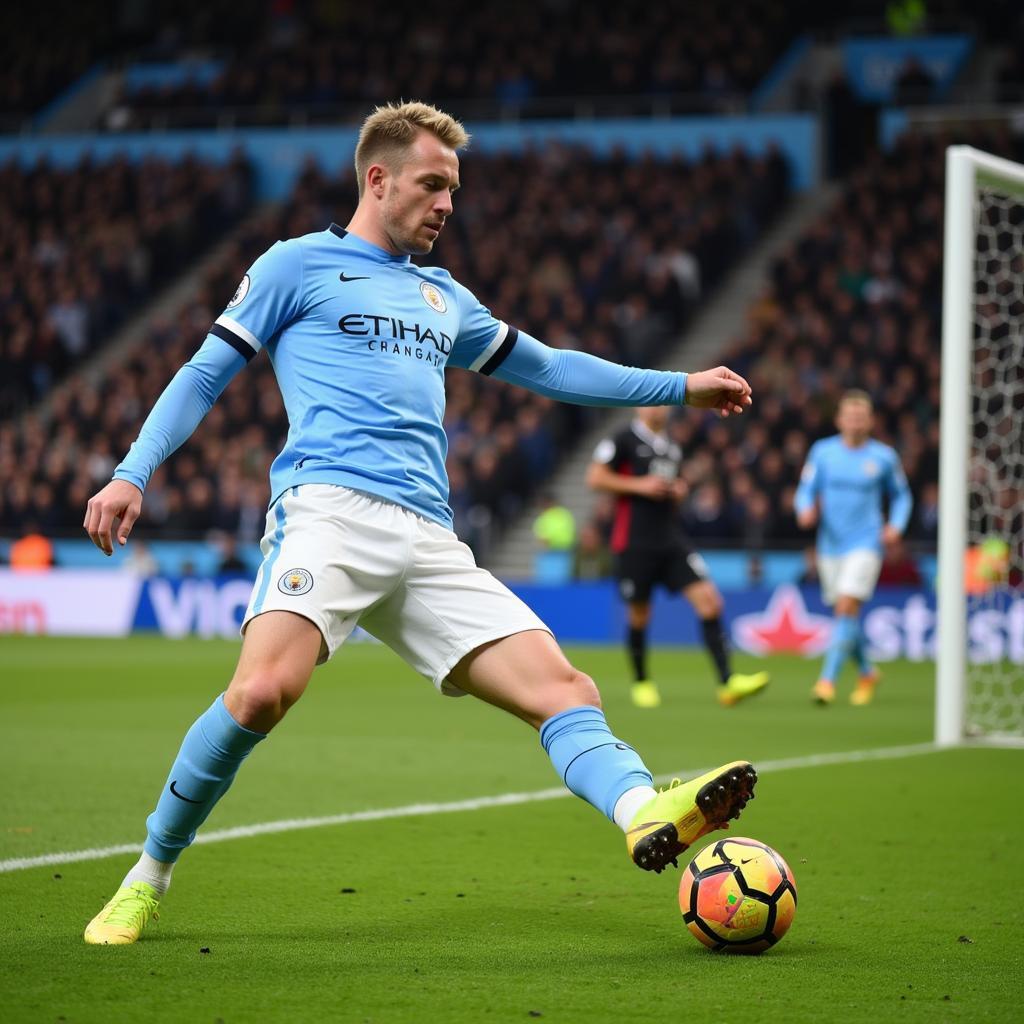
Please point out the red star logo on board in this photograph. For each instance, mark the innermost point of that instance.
(785, 626)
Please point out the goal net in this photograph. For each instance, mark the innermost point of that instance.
(980, 643)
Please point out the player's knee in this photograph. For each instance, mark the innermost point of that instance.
(583, 688)
(707, 602)
(570, 688)
(259, 700)
(639, 615)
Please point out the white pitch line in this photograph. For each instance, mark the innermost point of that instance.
(475, 804)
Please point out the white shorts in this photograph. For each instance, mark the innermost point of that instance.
(851, 575)
(341, 558)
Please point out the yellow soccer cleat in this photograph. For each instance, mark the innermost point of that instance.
(121, 921)
(864, 692)
(738, 687)
(823, 692)
(678, 816)
(645, 695)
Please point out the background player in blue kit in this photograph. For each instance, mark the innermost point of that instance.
(842, 488)
(359, 528)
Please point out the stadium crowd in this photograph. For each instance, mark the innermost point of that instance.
(81, 246)
(47, 50)
(606, 255)
(300, 60)
(1010, 70)
(43, 51)
(323, 61)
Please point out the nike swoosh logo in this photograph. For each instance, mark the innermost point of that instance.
(342, 277)
(180, 797)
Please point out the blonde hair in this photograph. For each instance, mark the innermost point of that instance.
(390, 130)
(856, 395)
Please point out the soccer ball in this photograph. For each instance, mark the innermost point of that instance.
(738, 896)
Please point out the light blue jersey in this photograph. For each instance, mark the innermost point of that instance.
(359, 340)
(848, 485)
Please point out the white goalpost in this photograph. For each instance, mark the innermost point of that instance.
(980, 628)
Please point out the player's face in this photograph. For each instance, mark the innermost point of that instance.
(418, 195)
(854, 421)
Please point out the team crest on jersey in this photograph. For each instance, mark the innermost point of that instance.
(871, 468)
(240, 292)
(295, 582)
(433, 298)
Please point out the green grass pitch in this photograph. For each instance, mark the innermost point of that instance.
(909, 868)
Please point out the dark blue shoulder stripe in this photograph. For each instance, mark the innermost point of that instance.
(242, 348)
(502, 354)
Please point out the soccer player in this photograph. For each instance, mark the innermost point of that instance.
(359, 529)
(842, 487)
(641, 467)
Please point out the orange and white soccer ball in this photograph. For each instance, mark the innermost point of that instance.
(738, 896)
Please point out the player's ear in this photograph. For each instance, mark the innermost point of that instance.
(375, 177)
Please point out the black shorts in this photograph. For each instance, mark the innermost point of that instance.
(639, 570)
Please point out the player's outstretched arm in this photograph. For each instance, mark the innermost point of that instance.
(584, 379)
(177, 413)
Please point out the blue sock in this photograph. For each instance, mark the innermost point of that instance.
(590, 760)
(844, 636)
(860, 653)
(210, 755)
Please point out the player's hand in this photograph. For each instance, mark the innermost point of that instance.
(657, 488)
(680, 489)
(719, 389)
(807, 519)
(890, 535)
(119, 500)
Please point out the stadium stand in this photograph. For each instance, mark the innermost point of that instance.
(1010, 72)
(333, 61)
(47, 49)
(43, 49)
(605, 255)
(81, 247)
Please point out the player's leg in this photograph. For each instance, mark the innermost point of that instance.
(829, 566)
(848, 580)
(841, 646)
(638, 618)
(705, 598)
(644, 691)
(296, 617)
(865, 666)
(868, 674)
(707, 602)
(527, 675)
(459, 626)
(634, 573)
(278, 655)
